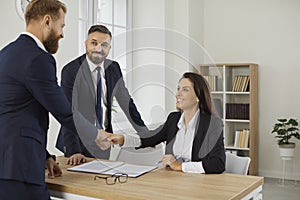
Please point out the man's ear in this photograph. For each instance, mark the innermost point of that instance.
(47, 21)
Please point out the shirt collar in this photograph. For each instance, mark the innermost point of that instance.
(192, 123)
(38, 42)
(92, 66)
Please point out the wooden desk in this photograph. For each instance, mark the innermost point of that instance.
(158, 184)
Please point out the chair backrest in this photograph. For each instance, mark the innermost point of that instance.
(237, 164)
(145, 156)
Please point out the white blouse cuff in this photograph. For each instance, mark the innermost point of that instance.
(193, 167)
(131, 141)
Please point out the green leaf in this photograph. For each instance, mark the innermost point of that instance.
(282, 120)
(293, 122)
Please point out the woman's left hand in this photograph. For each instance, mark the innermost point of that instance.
(169, 161)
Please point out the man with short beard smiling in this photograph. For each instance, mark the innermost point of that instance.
(51, 42)
(80, 82)
(28, 92)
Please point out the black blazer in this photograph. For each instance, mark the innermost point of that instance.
(28, 92)
(79, 88)
(208, 145)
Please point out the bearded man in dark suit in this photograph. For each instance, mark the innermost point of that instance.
(29, 91)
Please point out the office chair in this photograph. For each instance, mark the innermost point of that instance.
(145, 156)
(237, 164)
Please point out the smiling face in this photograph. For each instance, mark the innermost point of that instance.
(51, 43)
(186, 99)
(97, 47)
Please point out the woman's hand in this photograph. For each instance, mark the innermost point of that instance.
(169, 161)
(116, 139)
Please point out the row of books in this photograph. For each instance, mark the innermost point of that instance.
(241, 139)
(237, 111)
(212, 82)
(237, 152)
(240, 84)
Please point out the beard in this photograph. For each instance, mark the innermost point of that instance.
(51, 42)
(96, 57)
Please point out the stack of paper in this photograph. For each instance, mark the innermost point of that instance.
(109, 168)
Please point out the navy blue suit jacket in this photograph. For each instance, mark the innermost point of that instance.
(79, 88)
(28, 92)
(208, 145)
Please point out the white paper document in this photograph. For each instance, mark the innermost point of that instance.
(109, 168)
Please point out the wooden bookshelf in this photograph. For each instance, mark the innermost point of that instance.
(235, 87)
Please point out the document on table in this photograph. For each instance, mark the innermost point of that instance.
(112, 167)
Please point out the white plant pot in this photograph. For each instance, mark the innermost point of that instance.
(287, 151)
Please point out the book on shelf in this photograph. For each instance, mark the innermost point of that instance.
(243, 153)
(232, 151)
(241, 138)
(241, 83)
(212, 82)
(234, 84)
(237, 111)
(236, 138)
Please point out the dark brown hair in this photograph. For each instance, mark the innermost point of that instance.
(101, 29)
(202, 91)
(39, 8)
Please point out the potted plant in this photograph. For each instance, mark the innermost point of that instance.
(285, 129)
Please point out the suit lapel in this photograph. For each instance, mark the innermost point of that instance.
(86, 72)
(172, 132)
(108, 81)
(200, 134)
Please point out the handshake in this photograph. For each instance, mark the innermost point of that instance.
(104, 139)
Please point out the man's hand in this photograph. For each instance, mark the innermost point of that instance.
(76, 159)
(169, 161)
(102, 139)
(116, 139)
(53, 168)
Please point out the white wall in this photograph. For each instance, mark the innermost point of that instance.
(147, 74)
(184, 49)
(264, 32)
(11, 23)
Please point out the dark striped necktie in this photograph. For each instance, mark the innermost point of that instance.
(99, 96)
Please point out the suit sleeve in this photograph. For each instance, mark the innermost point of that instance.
(41, 81)
(71, 140)
(127, 104)
(214, 161)
(154, 137)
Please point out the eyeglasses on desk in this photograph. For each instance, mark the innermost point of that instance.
(111, 180)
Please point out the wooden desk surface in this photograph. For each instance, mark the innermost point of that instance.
(158, 184)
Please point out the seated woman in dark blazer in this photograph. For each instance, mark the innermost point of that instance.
(193, 136)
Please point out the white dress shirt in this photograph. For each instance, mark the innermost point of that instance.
(183, 144)
(94, 72)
